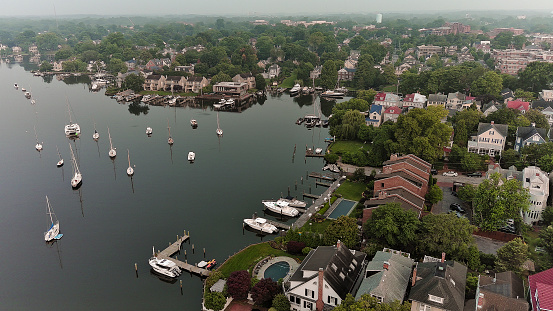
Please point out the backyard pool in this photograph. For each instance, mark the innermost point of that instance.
(277, 271)
(343, 209)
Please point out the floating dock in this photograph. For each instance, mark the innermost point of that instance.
(175, 248)
(278, 224)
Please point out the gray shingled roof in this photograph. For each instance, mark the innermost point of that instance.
(445, 280)
(437, 98)
(502, 129)
(526, 132)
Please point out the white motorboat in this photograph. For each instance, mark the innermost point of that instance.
(71, 129)
(149, 131)
(53, 232)
(112, 153)
(33, 101)
(27, 95)
(194, 123)
(77, 179)
(220, 104)
(260, 224)
(295, 90)
(281, 207)
(60, 162)
(38, 145)
(23, 90)
(219, 131)
(164, 266)
(130, 170)
(191, 156)
(332, 94)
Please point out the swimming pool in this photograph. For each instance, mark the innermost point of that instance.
(344, 208)
(277, 271)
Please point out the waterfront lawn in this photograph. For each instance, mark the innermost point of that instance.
(327, 205)
(316, 227)
(351, 190)
(248, 257)
(343, 146)
(288, 83)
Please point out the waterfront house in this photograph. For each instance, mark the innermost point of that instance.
(490, 139)
(33, 49)
(174, 83)
(16, 49)
(528, 135)
(57, 66)
(316, 72)
(414, 100)
(195, 84)
(154, 83)
(519, 105)
(374, 117)
(272, 72)
(325, 277)
(346, 74)
(437, 100)
(236, 89)
(247, 78)
(502, 291)
(391, 114)
(541, 290)
(387, 276)
(387, 99)
(438, 286)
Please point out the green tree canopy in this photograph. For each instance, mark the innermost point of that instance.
(215, 301)
(329, 75)
(392, 225)
(134, 82)
(512, 255)
(344, 229)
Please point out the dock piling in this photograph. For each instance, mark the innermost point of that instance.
(204, 252)
(185, 256)
(192, 248)
(136, 269)
(288, 190)
(181, 287)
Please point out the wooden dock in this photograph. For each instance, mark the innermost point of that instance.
(324, 184)
(310, 153)
(329, 177)
(175, 248)
(309, 195)
(278, 224)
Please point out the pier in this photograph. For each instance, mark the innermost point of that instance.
(278, 224)
(175, 248)
(327, 176)
(324, 184)
(309, 195)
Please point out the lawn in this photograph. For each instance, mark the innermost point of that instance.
(327, 205)
(351, 190)
(317, 227)
(343, 146)
(289, 82)
(248, 257)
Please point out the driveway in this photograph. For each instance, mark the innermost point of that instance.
(487, 245)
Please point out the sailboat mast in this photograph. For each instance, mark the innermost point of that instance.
(129, 157)
(49, 210)
(109, 135)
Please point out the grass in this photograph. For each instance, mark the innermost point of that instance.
(343, 146)
(289, 82)
(351, 190)
(327, 205)
(248, 257)
(316, 227)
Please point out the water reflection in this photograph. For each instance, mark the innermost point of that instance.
(137, 108)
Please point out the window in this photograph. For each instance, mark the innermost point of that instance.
(308, 305)
(334, 267)
(342, 275)
(298, 300)
(435, 298)
(309, 293)
(292, 299)
(423, 307)
(492, 133)
(535, 138)
(332, 300)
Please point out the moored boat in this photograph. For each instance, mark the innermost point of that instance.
(53, 232)
(191, 156)
(260, 224)
(194, 123)
(295, 90)
(281, 207)
(332, 94)
(149, 131)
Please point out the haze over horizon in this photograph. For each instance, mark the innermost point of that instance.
(251, 7)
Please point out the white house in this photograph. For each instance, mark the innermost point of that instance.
(546, 95)
(490, 139)
(324, 278)
(374, 117)
(414, 100)
(537, 183)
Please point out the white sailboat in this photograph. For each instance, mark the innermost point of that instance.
(130, 170)
(219, 131)
(112, 153)
(53, 232)
(149, 131)
(71, 129)
(60, 162)
(96, 135)
(191, 156)
(170, 140)
(38, 145)
(77, 179)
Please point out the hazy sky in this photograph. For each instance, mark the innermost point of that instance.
(257, 7)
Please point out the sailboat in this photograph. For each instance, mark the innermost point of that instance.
(112, 153)
(53, 232)
(77, 179)
(38, 145)
(60, 162)
(149, 131)
(130, 170)
(71, 129)
(170, 139)
(219, 131)
(95, 136)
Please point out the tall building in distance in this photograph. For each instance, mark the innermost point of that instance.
(379, 18)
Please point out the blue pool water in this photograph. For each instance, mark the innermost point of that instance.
(344, 208)
(277, 271)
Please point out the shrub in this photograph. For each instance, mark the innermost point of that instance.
(239, 284)
(306, 250)
(294, 247)
(331, 158)
(281, 303)
(264, 291)
(215, 301)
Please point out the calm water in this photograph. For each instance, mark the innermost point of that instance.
(113, 222)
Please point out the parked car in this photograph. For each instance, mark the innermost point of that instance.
(475, 174)
(457, 207)
(434, 171)
(450, 174)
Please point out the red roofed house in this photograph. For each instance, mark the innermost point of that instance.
(391, 113)
(380, 98)
(414, 100)
(518, 105)
(541, 290)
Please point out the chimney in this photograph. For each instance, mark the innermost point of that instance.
(443, 257)
(386, 265)
(533, 124)
(393, 157)
(320, 304)
(492, 122)
(414, 278)
(338, 244)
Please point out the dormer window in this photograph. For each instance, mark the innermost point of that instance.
(334, 267)
(342, 276)
(492, 132)
(435, 298)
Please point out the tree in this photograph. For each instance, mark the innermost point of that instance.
(392, 225)
(547, 215)
(45, 66)
(260, 82)
(546, 236)
(467, 192)
(238, 284)
(445, 233)
(369, 303)
(294, 247)
(48, 41)
(490, 83)
(220, 77)
(366, 95)
(536, 76)
(537, 117)
(329, 75)
(497, 200)
(512, 255)
(281, 303)
(264, 291)
(344, 229)
(134, 82)
(434, 195)
(215, 301)
(116, 65)
(351, 122)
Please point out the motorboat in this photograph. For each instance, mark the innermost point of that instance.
(194, 123)
(260, 224)
(206, 264)
(23, 90)
(112, 153)
(71, 129)
(332, 94)
(149, 131)
(27, 95)
(300, 121)
(295, 90)
(130, 170)
(164, 266)
(38, 145)
(220, 104)
(281, 207)
(53, 232)
(77, 179)
(191, 156)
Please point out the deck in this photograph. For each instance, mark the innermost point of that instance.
(174, 248)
